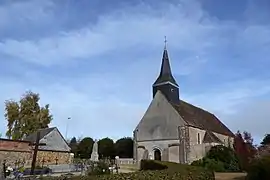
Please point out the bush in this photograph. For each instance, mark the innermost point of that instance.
(259, 169)
(214, 165)
(172, 171)
(210, 164)
(219, 159)
(151, 165)
(98, 168)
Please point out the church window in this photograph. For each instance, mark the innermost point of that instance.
(199, 138)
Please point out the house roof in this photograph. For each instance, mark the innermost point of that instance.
(199, 118)
(43, 132)
(210, 137)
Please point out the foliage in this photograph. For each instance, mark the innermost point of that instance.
(124, 147)
(211, 164)
(73, 144)
(266, 140)
(259, 168)
(106, 148)
(220, 159)
(225, 155)
(174, 171)
(26, 116)
(85, 148)
(244, 148)
(98, 168)
(151, 165)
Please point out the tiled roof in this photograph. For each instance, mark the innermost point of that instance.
(197, 117)
(43, 132)
(210, 137)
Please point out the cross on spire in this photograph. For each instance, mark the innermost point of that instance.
(165, 42)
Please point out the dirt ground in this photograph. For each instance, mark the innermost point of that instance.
(230, 176)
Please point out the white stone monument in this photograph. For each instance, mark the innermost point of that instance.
(94, 155)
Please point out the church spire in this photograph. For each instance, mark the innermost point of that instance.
(165, 81)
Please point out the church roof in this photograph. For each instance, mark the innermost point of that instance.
(199, 118)
(210, 137)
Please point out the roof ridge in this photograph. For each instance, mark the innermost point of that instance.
(200, 118)
(196, 107)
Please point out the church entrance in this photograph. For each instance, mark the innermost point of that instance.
(157, 155)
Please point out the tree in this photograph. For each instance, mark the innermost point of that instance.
(26, 116)
(244, 148)
(85, 147)
(73, 144)
(106, 148)
(266, 140)
(124, 147)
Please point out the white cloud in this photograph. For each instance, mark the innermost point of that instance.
(115, 105)
(24, 12)
(113, 31)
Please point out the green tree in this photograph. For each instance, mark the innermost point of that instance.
(266, 140)
(106, 148)
(85, 147)
(225, 155)
(26, 116)
(124, 147)
(73, 144)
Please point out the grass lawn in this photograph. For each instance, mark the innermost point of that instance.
(230, 176)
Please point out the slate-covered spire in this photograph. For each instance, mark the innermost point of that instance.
(165, 81)
(165, 71)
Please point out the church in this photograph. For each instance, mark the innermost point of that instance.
(174, 130)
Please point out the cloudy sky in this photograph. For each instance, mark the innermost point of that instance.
(95, 61)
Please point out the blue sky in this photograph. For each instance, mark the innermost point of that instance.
(95, 61)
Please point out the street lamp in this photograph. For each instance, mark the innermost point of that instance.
(67, 127)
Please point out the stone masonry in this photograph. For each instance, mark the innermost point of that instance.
(18, 153)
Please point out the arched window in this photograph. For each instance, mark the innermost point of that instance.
(199, 138)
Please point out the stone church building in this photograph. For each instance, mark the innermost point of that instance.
(174, 130)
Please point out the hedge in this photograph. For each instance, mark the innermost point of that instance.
(166, 171)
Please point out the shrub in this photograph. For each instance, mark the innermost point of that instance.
(210, 164)
(259, 169)
(173, 171)
(223, 154)
(151, 165)
(219, 159)
(214, 165)
(199, 162)
(98, 168)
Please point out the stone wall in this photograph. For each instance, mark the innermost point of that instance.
(25, 158)
(53, 158)
(15, 152)
(14, 158)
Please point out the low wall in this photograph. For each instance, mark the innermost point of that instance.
(126, 161)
